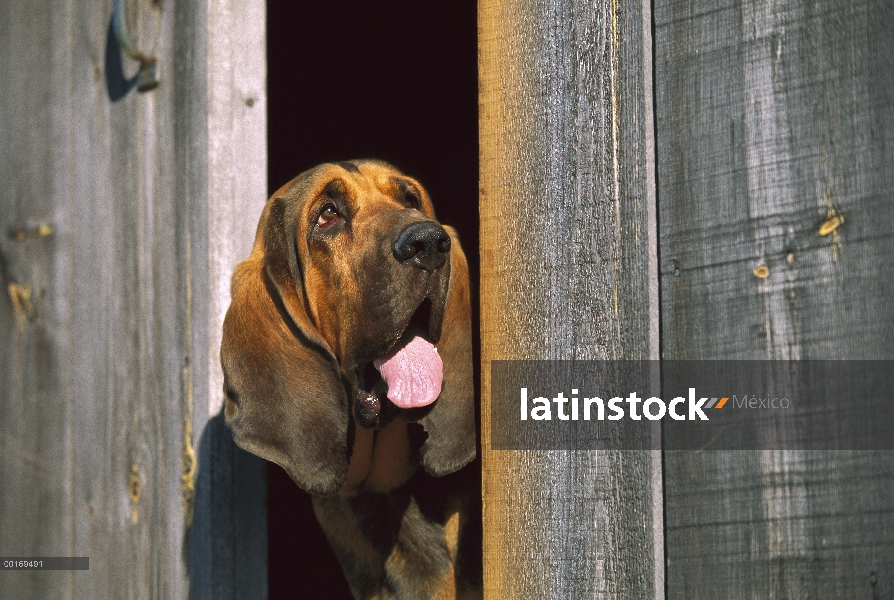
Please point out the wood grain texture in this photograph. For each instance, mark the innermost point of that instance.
(108, 388)
(566, 239)
(773, 119)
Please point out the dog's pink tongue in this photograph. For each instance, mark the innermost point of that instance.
(413, 374)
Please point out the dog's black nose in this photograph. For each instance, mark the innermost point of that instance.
(425, 245)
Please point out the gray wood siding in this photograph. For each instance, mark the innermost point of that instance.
(773, 119)
(109, 375)
(568, 272)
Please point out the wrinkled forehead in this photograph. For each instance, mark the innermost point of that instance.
(355, 179)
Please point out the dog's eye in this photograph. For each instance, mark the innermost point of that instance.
(411, 200)
(328, 216)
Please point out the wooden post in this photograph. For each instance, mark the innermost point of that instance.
(122, 217)
(568, 271)
(775, 123)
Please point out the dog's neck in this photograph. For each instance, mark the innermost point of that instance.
(380, 461)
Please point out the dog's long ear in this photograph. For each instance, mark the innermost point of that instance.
(285, 399)
(451, 423)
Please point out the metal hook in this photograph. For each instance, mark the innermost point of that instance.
(148, 76)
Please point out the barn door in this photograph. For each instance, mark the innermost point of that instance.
(772, 150)
(775, 170)
(122, 215)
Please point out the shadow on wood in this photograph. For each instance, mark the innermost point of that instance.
(225, 549)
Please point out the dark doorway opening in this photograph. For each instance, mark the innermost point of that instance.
(349, 79)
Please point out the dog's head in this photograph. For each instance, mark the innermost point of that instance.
(352, 311)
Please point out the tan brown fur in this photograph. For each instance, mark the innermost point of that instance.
(311, 307)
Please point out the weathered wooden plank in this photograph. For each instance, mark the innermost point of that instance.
(567, 253)
(228, 542)
(152, 199)
(772, 119)
(35, 433)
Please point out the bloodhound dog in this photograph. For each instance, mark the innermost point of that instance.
(347, 360)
